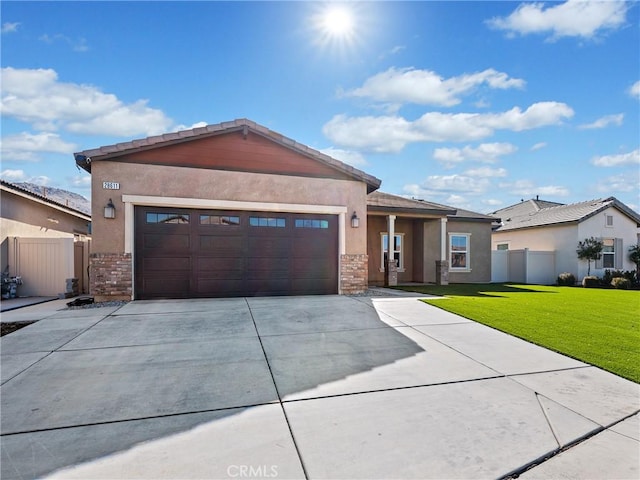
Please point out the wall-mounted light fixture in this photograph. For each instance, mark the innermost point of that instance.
(355, 221)
(110, 210)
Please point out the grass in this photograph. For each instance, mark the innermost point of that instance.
(597, 326)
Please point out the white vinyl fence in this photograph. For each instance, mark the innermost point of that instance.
(43, 263)
(523, 266)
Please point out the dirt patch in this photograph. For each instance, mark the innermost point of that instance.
(7, 328)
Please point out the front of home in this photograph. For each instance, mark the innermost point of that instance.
(235, 209)
(541, 226)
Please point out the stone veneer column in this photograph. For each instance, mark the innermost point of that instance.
(354, 274)
(110, 276)
(442, 272)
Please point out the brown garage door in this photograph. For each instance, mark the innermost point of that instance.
(182, 253)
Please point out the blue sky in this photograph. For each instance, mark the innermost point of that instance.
(470, 104)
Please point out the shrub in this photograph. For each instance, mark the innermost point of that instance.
(590, 281)
(621, 282)
(567, 279)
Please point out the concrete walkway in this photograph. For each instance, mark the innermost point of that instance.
(302, 387)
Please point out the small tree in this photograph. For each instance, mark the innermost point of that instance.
(589, 249)
(634, 256)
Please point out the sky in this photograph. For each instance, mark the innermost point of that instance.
(475, 105)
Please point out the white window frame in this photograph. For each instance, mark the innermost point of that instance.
(608, 220)
(607, 254)
(401, 251)
(466, 268)
(505, 244)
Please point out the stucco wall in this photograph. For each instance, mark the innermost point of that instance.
(480, 254)
(21, 217)
(563, 239)
(623, 227)
(378, 225)
(178, 182)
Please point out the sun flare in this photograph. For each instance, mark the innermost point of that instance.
(337, 21)
(335, 25)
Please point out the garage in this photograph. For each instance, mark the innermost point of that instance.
(190, 253)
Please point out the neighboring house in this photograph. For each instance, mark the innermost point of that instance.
(543, 226)
(432, 243)
(43, 241)
(236, 209)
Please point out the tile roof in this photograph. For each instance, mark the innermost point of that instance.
(388, 203)
(537, 213)
(11, 187)
(84, 158)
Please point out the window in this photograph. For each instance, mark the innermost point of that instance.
(397, 250)
(459, 258)
(219, 220)
(608, 220)
(311, 223)
(167, 218)
(267, 222)
(502, 246)
(608, 253)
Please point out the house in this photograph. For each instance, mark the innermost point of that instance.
(236, 209)
(43, 241)
(433, 243)
(543, 226)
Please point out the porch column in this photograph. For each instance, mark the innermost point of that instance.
(390, 269)
(442, 265)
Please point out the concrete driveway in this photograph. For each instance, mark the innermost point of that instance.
(302, 387)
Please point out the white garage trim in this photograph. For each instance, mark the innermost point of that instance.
(130, 201)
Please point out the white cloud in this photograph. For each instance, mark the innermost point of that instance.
(619, 183)
(528, 189)
(35, 96)
(485, 152)
(393, 133)
(630, 158)
(486, 172)
(574, 18)
(634, 90)
(347, 156)
(538, 146)
(492, 202)
(9, 27)
(456, 184)
(26, 146)
(603, 122)
(79, 45)
(17, 176)
(13, 175)
(80, 181)
(181, 127)
(425, 87)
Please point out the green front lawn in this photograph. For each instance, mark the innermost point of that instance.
(596, 326)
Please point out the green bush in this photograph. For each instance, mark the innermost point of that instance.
(590, 281)
(621, 282)
(567, 279)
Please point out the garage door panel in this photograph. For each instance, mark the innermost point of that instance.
(268, 286)
(216, 265)
(169, 264)
(311, 268)
(224, 245)
(213, 287)
(166, 241)
(161, 286)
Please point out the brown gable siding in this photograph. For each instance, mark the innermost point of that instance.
(232, 151)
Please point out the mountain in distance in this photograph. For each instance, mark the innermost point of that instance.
(64, 197)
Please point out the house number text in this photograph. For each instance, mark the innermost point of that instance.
(111, 185)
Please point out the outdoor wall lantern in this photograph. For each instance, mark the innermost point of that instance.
(110, 210)
(355, 221)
